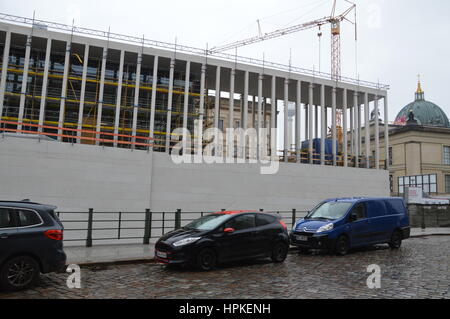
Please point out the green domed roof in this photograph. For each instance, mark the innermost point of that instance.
(426, 113)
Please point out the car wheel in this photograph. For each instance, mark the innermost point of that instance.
(342, 246)
(279, 252)
(206, 259)
(19, 273)
(396, 240)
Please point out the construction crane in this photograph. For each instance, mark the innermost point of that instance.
(335, 22)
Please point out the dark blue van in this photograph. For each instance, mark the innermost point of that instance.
(339, 225)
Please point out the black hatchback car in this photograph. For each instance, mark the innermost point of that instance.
(223, 237)
(30, 243)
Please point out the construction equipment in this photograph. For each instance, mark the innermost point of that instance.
(335, 22)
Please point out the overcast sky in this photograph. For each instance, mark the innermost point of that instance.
(396, 39)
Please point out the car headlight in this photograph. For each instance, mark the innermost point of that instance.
(325, 228)
(186, 241)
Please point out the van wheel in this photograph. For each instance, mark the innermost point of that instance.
(396, 240)
(206, 259)
(19, 273)
(342, 246)
(279, 252)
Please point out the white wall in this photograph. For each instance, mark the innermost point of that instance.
(78, 177)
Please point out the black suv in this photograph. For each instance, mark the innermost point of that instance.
(223, 237)
(31, 242)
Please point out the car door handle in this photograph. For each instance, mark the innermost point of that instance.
(4, 236)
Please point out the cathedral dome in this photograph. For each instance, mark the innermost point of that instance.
(426, 113)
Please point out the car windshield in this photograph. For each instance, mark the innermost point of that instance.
(330, 211)
(209, 222)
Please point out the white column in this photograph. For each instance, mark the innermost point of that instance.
(62, 107)
(169, 106)
(352, 131)
(356, 107)
(259, 120)
(273, 115)
(202, 110)
(136, 98)
(119, 97)
(186, 107)
(367, 128)
(217, 100)
(231, 100)
(100, 95)
(83, 91)
(360, 129)
(345, 128)
(324, 125)
(316, 121)
(386, 131)
(230, 142)
(153, 103)
(45, 84)
(377, 135)
(310, 123)
(23, 92)
(5, 65)
(245, 101)
(333, 126)
(286, 121)
(298, 121)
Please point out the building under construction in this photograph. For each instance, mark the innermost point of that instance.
(83, 86)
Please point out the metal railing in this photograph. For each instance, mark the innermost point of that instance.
(92, 226)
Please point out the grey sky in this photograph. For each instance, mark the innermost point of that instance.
(397, 39)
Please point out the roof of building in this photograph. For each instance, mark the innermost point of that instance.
(426, 113)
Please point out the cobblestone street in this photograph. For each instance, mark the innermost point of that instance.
(420, 269)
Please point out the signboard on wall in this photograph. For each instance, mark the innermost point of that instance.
(416, 195)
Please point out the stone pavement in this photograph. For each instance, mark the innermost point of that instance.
(137, 252)
(420, 269)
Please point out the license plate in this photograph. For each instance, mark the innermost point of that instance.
(161, 255)
(301, 238)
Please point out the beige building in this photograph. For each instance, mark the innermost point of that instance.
(419, 148)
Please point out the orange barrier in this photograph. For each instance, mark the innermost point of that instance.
(75, 136)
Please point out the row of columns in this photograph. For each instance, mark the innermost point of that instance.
(355, 114)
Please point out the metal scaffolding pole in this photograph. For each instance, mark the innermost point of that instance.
(62, 108)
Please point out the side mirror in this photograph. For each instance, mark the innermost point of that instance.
(228, 230)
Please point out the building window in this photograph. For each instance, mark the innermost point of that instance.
(391, 183)
(446, 155)
(390, 156)
(447, 184)
(427, 182)
(221, 124)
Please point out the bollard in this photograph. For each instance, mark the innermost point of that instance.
(178, 219)
(148, 227)
(89, 230)
(294, 217)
